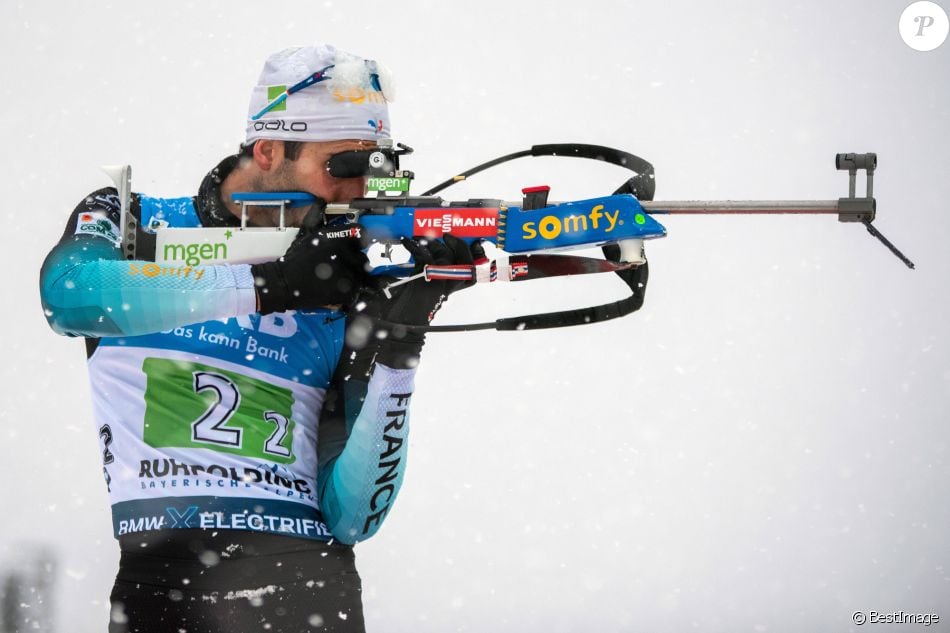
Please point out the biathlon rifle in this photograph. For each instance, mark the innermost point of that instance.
(525, 232)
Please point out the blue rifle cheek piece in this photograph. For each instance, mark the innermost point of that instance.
(296, 198)
(589, 223)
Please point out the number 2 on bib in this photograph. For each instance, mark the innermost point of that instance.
(191, 405)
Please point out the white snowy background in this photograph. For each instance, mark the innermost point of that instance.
(763, 447)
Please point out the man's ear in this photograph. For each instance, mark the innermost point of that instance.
(268, 153)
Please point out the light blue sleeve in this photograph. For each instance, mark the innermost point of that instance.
(363, 453)
(87, 290)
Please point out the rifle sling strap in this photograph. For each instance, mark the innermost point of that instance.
(634, 278)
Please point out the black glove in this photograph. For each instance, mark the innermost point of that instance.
(322, 267)
(417, 302)
(413, 303)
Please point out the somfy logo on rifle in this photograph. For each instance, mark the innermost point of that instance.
(551, 226)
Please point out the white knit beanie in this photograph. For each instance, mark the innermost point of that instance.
(347, 100)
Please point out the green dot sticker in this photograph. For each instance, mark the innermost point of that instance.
(640, 218)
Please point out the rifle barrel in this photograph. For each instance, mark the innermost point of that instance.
(740, 207)
(706, 207)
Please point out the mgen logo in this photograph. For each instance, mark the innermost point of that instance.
(466, 222)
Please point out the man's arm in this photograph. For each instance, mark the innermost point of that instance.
(363, 441)
(88, 289)
(364, 426)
